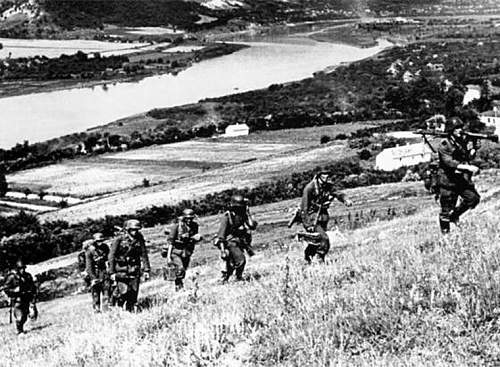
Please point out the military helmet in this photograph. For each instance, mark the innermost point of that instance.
(238, 201)
(454, 123)
(133, 224)
(188, 213)
(20, 264)
(98, 236)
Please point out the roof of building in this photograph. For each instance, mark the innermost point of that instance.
(490, 114)
(406, 150)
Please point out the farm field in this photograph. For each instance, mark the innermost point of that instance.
(245, 174)
(306, 136)
(88, 178)
(371, 290)
(208, 152)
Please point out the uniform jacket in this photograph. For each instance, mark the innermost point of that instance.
(181, 237)
(316, 199)
(235, 226)
(20, 287)
(96, 257)
(126, 254)
(451, 154)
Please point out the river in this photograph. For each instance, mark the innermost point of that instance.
(40, 116)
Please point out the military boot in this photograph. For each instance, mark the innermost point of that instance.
(179, 285)
(224, 278)
(445, 226)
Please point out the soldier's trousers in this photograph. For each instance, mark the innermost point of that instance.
(21, 311)
(100, 295)
(324, 246)
(128, 296)
(450, 212)
(181, 265)
(236, 261)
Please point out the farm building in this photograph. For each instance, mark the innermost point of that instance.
(406, 155)
(491, 118)
(237, 130)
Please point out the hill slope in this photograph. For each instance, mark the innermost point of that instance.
(397, 293)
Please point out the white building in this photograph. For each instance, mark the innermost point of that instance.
(473, 92)
(491, 118)
(237, 130)
(406, 155)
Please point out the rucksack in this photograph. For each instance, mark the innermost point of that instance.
(81, 257)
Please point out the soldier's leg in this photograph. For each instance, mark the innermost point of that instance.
(96, 297)
(470, 199)
(237, 260)
(132, 294)
(324, 246)
(448, 199)
(180, 272)
(310, 252)
(21, 310)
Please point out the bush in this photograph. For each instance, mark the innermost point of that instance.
(365, 154)
(324, 139)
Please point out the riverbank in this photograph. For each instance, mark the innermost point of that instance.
(140, 65)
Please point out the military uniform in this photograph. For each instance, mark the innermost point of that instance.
(316, 199)
(234, 236)
(20, 287)
(125, 258)
(96, 257)
(453, 183)
(182, 238)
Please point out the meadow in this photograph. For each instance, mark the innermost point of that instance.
(395, 293)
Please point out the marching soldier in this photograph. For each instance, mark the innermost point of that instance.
(316, 199)
(127, 252)
(454, 175)
(96, 257)
(181, 241)
(234, 237)
(21, 289)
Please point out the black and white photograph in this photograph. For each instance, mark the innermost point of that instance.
(247, 183)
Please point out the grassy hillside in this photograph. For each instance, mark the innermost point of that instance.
(395, 293)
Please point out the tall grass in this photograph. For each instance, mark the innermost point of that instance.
(401, 295)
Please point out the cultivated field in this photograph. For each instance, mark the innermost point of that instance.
(396, 293)
(94, 177)
(240, 175)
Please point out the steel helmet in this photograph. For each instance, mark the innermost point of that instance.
(188, 213)
(132, 224)
(98, 236)
(238, 201)
(454, 123)
(20, 264)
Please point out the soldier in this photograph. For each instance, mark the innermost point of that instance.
(125, 256)
(182, 238)
(21, 289)
(316, 199)
(233, 237)
(454, 176)
(96, 257)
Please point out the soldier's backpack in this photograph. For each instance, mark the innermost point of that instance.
(81, 261)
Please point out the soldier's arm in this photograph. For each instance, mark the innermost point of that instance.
(196, 235)
(445, 152)
(112, 255)
(145, 258)
(250, 221)
(89, 263)
(172, 235)
(305, 204)
(10, 285)
(223, 229)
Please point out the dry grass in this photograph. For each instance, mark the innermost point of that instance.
(400, 295)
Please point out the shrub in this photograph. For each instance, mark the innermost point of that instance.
(324, 139)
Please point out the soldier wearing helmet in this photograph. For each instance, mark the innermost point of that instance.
(454, 175)
(316, 199)
(21, 289)
(96, 257)
(234, 237)
(182, 238)
(127, 253)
